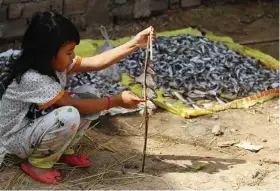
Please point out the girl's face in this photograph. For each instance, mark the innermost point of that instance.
(64, 57)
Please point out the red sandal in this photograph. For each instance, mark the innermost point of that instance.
(52, 177)
(76, 160)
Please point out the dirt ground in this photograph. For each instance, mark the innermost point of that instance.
(182, 153)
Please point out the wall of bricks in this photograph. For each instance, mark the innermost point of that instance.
(15, 14)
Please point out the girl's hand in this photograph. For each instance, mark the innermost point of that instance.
(142, 38)
(128, 100)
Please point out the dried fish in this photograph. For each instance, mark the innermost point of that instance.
(150, 81)
(170, 101)
(180, 97)
(150, 94)
(204, 69)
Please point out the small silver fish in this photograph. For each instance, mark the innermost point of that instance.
(180, 97)
(149, 80)
(150, 93)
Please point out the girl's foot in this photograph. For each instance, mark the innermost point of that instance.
(76, 160)
(47, 176)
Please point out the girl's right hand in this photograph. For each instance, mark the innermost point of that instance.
(141, 39)
(129, 100)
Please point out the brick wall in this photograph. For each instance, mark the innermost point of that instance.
(15, 14)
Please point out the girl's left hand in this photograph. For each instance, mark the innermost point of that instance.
(142, 38)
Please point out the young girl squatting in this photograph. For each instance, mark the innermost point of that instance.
(39, 120)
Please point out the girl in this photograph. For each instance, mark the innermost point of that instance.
(39, 120)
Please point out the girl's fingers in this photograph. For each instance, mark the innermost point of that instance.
(153, 35)
(136, 98)
(146, 31)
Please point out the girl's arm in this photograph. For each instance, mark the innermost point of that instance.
(88, 106)
(107, 58)
(110, 57)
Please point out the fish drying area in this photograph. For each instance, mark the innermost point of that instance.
(235, 149)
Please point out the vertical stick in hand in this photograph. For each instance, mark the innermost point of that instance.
(146, 114)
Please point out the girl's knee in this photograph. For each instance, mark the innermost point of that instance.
(69, 115)
(65, 123)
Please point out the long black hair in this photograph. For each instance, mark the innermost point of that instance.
(46, 34)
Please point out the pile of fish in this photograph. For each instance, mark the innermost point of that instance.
(199, 68)
(191, 69)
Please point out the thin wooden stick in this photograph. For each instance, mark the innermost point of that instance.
(146, 114)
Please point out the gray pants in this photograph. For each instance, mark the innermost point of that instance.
(48, 137)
